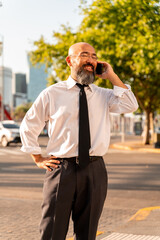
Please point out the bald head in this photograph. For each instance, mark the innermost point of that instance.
(82, 61)
(79, 47)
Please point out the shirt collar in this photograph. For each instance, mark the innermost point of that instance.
(71, 83)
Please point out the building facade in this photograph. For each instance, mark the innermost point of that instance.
(6, 86)
(19, 89)
(36, 80)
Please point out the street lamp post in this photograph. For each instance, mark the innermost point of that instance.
(2, 75)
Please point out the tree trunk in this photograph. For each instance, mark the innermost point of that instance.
(147, 128)
(152, 128)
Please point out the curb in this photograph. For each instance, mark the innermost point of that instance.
(119, 146)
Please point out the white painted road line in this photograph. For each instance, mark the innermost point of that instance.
(120, 236)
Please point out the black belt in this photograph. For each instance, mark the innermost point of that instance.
(76, 159)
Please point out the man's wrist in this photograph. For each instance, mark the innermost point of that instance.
(36, 157)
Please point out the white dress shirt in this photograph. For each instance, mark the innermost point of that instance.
(59, 104)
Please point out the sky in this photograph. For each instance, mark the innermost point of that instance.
(23, 21)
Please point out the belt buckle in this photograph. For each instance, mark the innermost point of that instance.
(77, 160)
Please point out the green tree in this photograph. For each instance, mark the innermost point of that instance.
(126, 33)
(21, 110)
(54, 55)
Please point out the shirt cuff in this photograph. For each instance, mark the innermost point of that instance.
(119, 91)
(31, 150)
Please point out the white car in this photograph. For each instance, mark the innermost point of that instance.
(9, 133)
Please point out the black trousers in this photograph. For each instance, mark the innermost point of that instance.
(72, 190)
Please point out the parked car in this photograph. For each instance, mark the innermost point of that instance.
(9, 133)
(157, 130)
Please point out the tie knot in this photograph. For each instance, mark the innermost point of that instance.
(81, 86)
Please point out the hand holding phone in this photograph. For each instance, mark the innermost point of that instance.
(104, 70)
(99, 68)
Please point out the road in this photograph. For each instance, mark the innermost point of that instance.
(134, 183)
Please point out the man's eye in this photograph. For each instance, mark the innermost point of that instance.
(84, 55)
(94, 57)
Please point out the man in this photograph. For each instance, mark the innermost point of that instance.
(76, 178)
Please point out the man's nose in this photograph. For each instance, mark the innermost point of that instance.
(90, 60)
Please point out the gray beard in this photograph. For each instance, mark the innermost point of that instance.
(85, 77)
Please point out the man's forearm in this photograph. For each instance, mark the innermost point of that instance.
(115, 80)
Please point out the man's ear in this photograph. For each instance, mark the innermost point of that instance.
(68, 60)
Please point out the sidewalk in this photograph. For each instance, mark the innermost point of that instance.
(144, 224)
(134, 143)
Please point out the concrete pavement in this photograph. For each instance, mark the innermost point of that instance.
(131, 210)
(135, 191)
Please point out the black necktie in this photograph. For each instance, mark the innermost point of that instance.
(84, 132)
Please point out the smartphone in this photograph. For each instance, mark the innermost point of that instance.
(99, 69)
